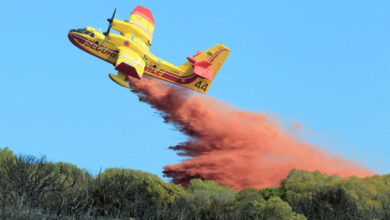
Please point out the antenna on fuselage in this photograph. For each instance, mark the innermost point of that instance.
(109, 26)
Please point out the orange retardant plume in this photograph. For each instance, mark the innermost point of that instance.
(234, 147)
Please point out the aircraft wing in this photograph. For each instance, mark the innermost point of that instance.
(140, 24)
(143, 20)
(130, 62)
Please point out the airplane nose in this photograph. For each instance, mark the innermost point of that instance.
(71, 36)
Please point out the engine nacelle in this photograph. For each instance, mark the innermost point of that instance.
(126, 27)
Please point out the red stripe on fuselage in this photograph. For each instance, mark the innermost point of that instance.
(169, 76)
(78, 41)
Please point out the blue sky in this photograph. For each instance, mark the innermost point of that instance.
(323, 64)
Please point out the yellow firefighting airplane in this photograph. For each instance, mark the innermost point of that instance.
(129, 53)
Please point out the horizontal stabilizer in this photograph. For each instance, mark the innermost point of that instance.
(202, 68)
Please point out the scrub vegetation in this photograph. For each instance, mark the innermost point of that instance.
(34, 188)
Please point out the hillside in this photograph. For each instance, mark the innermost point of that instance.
(34, 188)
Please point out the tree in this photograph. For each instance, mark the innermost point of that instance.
(205, 200)
(128, 193)
(319, 196)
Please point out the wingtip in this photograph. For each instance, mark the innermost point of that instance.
(144, 12)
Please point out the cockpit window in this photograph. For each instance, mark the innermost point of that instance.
(80, 30)
(83, 31)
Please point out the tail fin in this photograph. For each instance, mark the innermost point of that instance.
(206, 65)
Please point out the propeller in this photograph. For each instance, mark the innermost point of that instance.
(110, 20)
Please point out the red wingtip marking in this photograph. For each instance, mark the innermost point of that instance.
(144, 12)
(127, 69)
